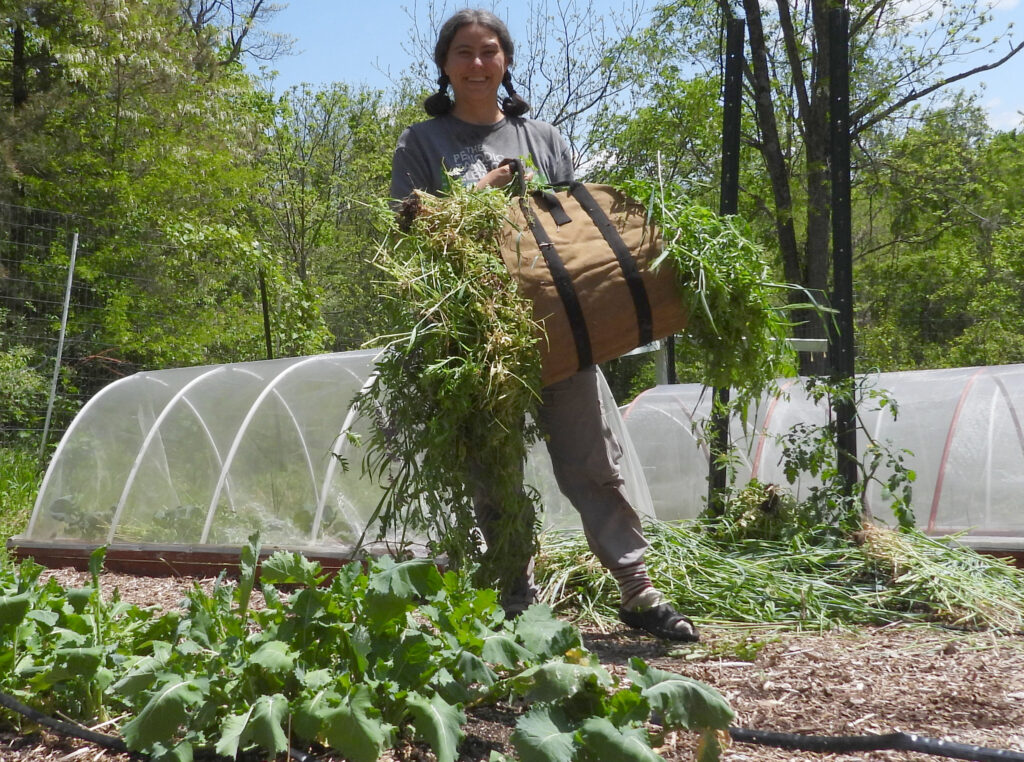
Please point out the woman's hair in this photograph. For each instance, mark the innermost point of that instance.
(440, 103)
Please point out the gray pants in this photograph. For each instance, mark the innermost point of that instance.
(586, 457)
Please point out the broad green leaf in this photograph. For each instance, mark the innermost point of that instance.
(180, 752)
(473, 669)
(13, 609)
(165, 712)
(414, 658)
(310, 713)
(544, 734)
(681, 701)
(385, 610)
(354, 728)
(501, 649)
(406, 579)
(291, 568)
(71, 664)
(627, 705)
(438, 723)
(558, 680)
(140, 676)
(316, 679)
(79, 597)
(450, 689)
(274, 656)
(306, 605)
(600, 740)
(544, 634)
(247, 571)
(49, 618)
(262, 724)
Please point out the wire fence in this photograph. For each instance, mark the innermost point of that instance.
(47, 372)
(57, 286)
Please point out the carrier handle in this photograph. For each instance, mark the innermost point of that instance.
(546, 200)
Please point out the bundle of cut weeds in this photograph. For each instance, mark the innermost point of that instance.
(737, 326)
(459, 380)
(815, 580)
(457, 384)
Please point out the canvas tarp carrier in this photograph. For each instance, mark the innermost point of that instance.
(582, 255)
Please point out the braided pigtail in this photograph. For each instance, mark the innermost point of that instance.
(439, 103)
(513, 104)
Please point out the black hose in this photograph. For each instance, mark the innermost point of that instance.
(889, 741)
(113, 743)
(64, 728)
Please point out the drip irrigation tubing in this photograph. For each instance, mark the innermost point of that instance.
(889, 741)
(113, 743)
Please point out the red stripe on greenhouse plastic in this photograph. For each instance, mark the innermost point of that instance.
(947, 447)
(755, 465)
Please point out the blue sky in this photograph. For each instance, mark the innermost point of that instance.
(359, 41)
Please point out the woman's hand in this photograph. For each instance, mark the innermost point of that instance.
(499, 177)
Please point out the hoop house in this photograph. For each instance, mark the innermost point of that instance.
(173, 470)
(962, 426)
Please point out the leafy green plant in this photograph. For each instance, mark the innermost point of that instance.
(810, 449)
(19, 483)
(377, 654)
(22, 386)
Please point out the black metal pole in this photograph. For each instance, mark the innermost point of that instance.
(732, 96)
(266, 315)
(841, 346)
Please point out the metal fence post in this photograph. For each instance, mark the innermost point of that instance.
(60, 346)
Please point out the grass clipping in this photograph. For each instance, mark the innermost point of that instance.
(800, 580)
(459, 381)
(457, 385)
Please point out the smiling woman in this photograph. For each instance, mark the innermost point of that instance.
(472, 139)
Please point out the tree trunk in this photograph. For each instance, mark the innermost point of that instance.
(19, 68)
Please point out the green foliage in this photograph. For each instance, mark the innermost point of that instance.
(736, 326)
(20, 476)
(580, 712)
(810, 450)
(941, 240)
(397, 650)
(454, 388)
(22, 387)
(330, 151)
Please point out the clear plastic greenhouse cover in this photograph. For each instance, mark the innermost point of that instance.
(200, 458)
(961, 426)
(193, 460)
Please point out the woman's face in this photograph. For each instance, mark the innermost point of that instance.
(475, 64)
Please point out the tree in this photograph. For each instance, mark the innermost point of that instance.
(227, 30)
(938, 263)
(155, 154)
(329, 157)
(897, 53)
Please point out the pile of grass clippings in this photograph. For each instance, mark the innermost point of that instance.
(809, 580)
(457, 384)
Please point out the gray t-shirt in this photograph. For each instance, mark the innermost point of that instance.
(425, 150)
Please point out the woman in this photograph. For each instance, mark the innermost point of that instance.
(470, 136)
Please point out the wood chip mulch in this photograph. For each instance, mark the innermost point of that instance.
(964, 687)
